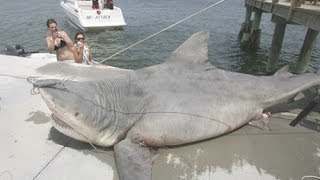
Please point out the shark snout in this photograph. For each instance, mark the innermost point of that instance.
(65, 115)
(40, 83)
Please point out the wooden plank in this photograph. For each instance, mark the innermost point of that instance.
(294, 5)
(307, 15)
(307, 18)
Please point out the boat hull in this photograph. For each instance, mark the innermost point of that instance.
(81, 15)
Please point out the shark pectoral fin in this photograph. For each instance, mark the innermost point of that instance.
(134, 162)
(261, 122)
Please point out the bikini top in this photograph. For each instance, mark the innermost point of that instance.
(62, 44)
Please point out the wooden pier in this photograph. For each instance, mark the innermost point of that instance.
(284, 12)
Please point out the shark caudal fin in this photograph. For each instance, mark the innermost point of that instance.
(193, 50)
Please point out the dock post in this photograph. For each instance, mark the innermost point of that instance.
(277, 41)
(305, 53)
(255, 31)
(244, 34)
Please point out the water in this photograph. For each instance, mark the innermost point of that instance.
(24, 22)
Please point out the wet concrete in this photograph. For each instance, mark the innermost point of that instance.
(38, 117)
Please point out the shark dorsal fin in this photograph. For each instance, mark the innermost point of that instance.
(284, 71)
(193, 50)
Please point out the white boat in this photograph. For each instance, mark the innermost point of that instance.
(81, 14)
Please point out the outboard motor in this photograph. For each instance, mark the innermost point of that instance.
(15, 50)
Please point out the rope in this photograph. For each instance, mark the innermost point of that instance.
(204, 9)
(46, 165)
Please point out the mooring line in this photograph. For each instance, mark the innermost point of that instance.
(46, 165)
(204, 9)
(13, 76)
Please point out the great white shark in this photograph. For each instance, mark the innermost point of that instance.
(183, 100)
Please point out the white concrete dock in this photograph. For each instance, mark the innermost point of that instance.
(32, 149)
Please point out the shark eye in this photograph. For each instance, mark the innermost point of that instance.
(76, 114)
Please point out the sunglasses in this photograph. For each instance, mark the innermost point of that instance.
(78, 39)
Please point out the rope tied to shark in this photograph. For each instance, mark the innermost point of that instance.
(40, 83)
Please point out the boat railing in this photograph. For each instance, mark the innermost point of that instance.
(85, 5)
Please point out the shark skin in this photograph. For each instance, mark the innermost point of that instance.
(183, 100)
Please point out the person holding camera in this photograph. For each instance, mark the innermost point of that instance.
(81, 51)
(59, 41)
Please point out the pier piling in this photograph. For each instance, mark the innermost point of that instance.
(277, 41)
(250, 33)
(305, 53)
(245, 33)
(255, 31)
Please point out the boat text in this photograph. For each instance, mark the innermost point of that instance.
(97, 17)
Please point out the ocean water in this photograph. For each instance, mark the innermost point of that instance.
(24, 22)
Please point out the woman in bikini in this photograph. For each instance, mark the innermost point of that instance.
(59, 41)
(81, 51)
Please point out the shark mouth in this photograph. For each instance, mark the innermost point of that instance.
(66, 129)
(57, 119)
(60, 123)
(60, 120)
